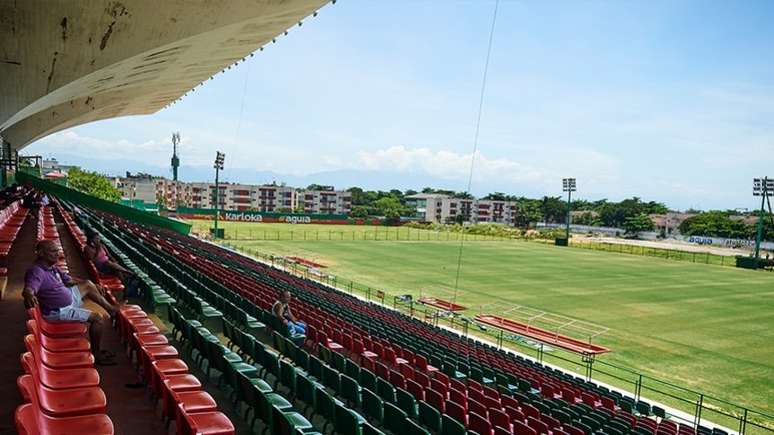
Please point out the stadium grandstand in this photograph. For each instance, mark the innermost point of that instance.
(194, 347)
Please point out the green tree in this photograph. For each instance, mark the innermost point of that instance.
(390, 207)
(587, 218)
(93, 184)
(634, 225)
(553, 209)
(358, 195)
(527, 211)
(495, 196)
(359, 211)
(717, 223)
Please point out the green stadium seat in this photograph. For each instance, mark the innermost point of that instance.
(429, 417)
(315, 368)
(406, 403)
(643, 408)
(331, 378)
(288, 375)
(325, 405)
(450, 426)
(289, 422)
(372, 405)
(350, 390)
(305, 390)
(339, 362)
(347, 422)
(367, 379)
(370, 430)
(395, 419)
(385, 390)
(351, 369)
(414, 428)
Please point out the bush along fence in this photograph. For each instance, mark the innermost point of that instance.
(697, 408)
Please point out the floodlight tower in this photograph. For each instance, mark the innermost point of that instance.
(569, 186)
(219, 158)
(763, 187)
(175, 163)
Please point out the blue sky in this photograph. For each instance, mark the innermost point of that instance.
(667, 100)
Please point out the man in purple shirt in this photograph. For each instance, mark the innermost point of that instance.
(60, 297)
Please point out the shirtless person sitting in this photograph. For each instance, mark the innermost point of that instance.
(60, 297)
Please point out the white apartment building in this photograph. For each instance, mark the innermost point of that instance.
(437, 208)
(233, 197)
(241, 197)
(327, 201)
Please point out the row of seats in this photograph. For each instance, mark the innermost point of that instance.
(242, 378)
(183, 400)
(110, 283)
(12, 217)
(211, 260)
(11, 220)
(60, 386)
(193, 410)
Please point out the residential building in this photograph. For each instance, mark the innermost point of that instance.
(326, 201)
(242, 197)
(438, 208)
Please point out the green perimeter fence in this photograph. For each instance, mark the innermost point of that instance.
(376, 234)
(668, 254)
(696, 405)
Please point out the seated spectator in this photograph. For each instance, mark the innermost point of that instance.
(60, 297)
(98, 254)
(281, 309)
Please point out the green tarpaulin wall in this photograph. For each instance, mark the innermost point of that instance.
(125, 212)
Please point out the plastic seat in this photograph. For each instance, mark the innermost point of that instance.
(479, 424)
(204, 423)
(395, 419)
(177, 383)
(169, 366)
(194, 401)
(372, 405)
(60, 379)
(62, 344)
(429, 417)
(499, 418)
(59, 360)
(65, 403)
(457, 412)
(450, 426)
(29, 420)
(58, 329)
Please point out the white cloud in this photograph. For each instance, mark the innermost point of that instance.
(541, 168)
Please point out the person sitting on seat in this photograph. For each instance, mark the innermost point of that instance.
(60, 297)
(281, 309)
(98, 254)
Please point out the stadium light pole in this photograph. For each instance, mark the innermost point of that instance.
(219, 158)
(569, 186)
(763, 187)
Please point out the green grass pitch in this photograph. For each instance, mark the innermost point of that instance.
(700, 326)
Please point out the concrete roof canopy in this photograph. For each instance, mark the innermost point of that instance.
(67, 63)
